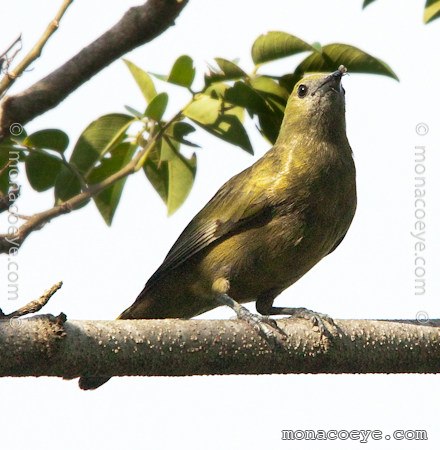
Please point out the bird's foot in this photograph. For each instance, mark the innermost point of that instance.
(263, 325)
(318, 320)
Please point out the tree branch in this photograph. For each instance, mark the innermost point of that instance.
(10, 77)
(12, 241)
(37, 221)
(49, 346)
(5, 59)
(139, 25)
(33, 306)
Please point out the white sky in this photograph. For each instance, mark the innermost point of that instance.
(371, 275)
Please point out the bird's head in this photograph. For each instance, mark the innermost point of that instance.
(316, 105)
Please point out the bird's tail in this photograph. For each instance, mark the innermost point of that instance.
(89, 383)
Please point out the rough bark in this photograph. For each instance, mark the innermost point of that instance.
(51, 346)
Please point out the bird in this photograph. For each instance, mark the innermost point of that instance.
(268, 225)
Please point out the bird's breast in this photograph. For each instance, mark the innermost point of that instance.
(303, 230)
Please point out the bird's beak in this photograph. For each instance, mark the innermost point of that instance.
(332, 82)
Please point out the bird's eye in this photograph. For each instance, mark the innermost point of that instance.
(302, 90)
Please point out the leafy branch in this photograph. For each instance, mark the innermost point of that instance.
(431, 11)
(117, 145)
(37, 221)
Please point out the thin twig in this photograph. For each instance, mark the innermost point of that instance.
(5, 53)
(139, 25)
(37, 221)
(33, 306)
(36, 50)
(5, 167)
(21, 216)
(76, 172)
(5, 58)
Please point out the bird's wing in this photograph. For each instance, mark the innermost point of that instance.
(238, 202)
(337, 244)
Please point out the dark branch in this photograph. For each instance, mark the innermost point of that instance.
(139, 25)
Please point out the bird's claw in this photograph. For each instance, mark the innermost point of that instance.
(264, 326)
(317, 320)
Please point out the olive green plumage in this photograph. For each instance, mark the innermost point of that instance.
(268, 225)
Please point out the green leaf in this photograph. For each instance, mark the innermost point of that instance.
(13, 155)
(317, 46)
(51, 139)
(203, 109)
(181, 174)
(159, 76)
(108, 200)
(182, 72)
(178, 131)
(270, 125)
(42, 170)
(18, 134)
(220, 119)
(276, 98)
(97, 139)
(275, 45)
(245, 96)
(269, 87)
(4, 172)
(171, 174)
(228, 71)
(216, 90)
(366, 3)
(133, 112)
(230, 129)
(432, 10)
(333, 55)
(67, 185)
(157, 107)
(157, 173)
(12, 151)
(143, 80)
